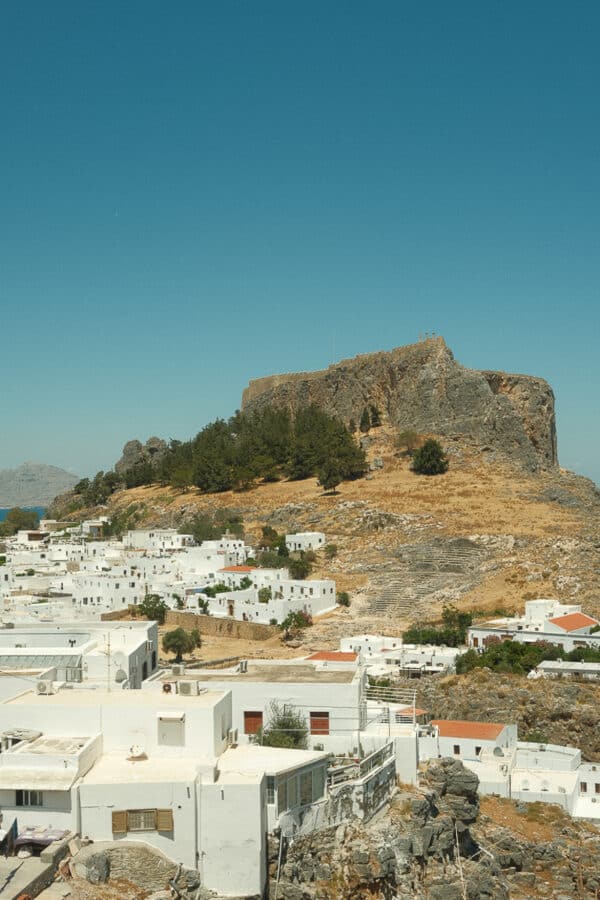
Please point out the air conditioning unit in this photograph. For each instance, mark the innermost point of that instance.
(594, 799)
(232, 737)
(45, 687)
(178, 670)
(187, 688)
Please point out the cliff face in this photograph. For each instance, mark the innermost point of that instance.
(421, 386)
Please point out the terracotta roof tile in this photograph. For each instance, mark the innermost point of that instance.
(485, 731)
(332, 656)
(573, 621)
(237, 569)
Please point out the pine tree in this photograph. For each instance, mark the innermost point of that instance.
(375, 416)
(365, 421)
(430, 459)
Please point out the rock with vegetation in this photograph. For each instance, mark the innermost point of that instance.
(549, 711)
(422, 387)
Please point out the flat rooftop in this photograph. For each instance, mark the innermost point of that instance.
(83, 697)
(271, 760)
(257, 673)
(116, 768)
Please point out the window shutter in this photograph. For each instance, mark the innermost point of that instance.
(253, 722)
(119, 822)
(164, 820)
(319, 723)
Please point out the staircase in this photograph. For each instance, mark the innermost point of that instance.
(421, 570)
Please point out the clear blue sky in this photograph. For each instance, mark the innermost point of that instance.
(195, 194)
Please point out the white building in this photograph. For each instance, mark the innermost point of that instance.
(153, 766)
(121, 654)
(389, 656)
(326, 688)
(543, 620)
(165, 539)
(304, 540)
(563, 668)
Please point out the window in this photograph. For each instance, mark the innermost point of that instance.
(142, 820)
(318, 783)
(252, 722)
(281, 795)
(270, 789)
(597, 788)
(477, 751)
(319, 723)
(292, 791)
(29, 798)
(583, 787)
(305, 788)
(456, 750)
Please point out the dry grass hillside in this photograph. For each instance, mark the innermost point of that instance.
(485, 535)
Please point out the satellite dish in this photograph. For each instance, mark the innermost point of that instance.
(137, 752)
(120, 676)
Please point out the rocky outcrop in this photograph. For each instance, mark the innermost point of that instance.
(421, 386)
(33, 484)
(421, 848)
(558, 711)
(135, 453)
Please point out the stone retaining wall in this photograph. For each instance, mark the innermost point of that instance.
(251, 631)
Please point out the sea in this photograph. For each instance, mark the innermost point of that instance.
(40, 510)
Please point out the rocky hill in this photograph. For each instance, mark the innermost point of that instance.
(421, 386)
(33, 484)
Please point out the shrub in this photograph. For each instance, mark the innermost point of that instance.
(295, 622)
(330, 550)
(300, 568)
(265, 594)
(430, 459)
(286, 728)
(343, 598)
(154, 608)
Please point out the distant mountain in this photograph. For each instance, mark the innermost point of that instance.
(33, 484)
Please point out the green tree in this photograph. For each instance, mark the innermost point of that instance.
(375, 416)
(295, 622)
(407, 441)
(178, 641)
(329, 475)
(18, 519)
(195, 635)
(365, 421)
(265, 594)
(299, 568)
(286, 728)
(154, 608)
(430, 459)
